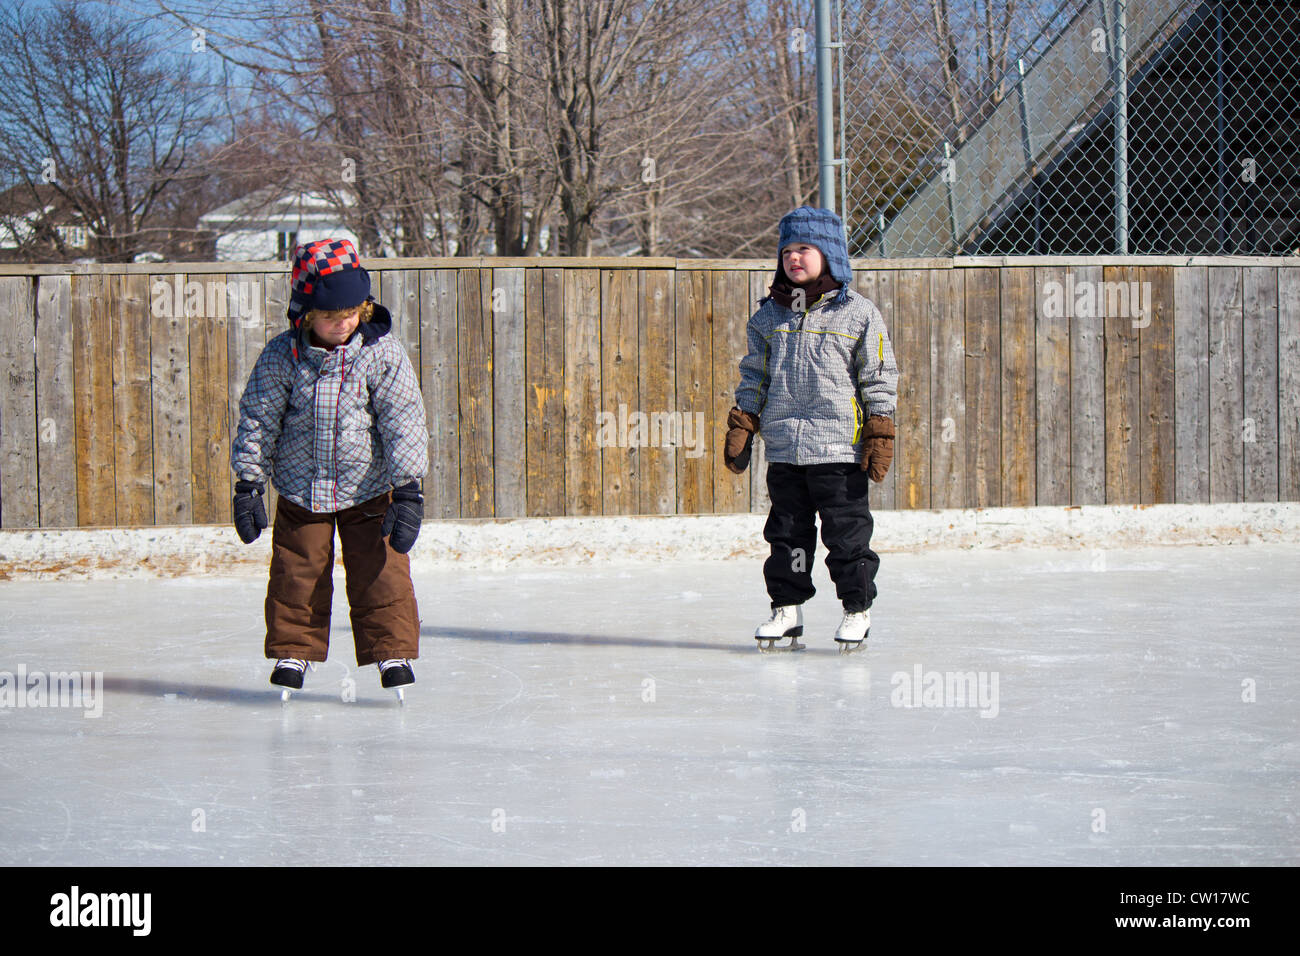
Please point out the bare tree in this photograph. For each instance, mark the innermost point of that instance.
(93, 110)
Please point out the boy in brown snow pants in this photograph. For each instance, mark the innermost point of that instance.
(333, 413)
(385, 621)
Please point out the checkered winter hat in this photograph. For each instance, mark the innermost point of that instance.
(327, 275)
(823, 229)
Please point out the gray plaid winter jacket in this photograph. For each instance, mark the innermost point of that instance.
(333, 428)
(814, 377)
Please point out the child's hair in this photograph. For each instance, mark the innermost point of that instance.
(367, 311)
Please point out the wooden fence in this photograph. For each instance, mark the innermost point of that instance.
(578, 387)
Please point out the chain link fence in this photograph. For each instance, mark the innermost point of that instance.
(1083, 127)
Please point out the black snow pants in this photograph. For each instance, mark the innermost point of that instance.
(838, 493)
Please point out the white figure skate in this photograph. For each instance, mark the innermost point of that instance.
(852, 632)
(785, 622)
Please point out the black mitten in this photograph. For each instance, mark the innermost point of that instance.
(402, 522)
(250, 514)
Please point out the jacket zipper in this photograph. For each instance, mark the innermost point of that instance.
(338, 400)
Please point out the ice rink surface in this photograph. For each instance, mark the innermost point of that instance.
(1118, 707)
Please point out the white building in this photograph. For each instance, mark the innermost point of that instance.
(267, 224)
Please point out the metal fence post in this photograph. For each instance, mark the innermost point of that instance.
(825, 118)
(1121, 127)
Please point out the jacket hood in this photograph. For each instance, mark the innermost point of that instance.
(380, 324)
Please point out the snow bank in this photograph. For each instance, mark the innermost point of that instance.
(523, 542)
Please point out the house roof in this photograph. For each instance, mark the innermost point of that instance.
(32, 201)
(271, 206)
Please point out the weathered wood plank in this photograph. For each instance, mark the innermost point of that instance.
(983, 389)
(1018, 387)
(731, 492)
(1288, 383)
(509, 412)
(56, 449)
(878, 286)
(1052, 386)
(622, 444)
(1259, 393)
(1157, 387)
(694, 388)
(1123, 391)
(93, 390)
(19, 488)
(213, 479)
(477, 488)
(401, 296)
(1191, 385)
(657, 488)
(582, 477)
(398, 290)
(132, 414)
(440, 383)
(912, 351)
(1227, 402)
(169, 371)
(245, 300)
(947, 388)
(544, 368)
(1087, 386)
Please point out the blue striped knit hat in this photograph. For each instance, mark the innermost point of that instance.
(823, 229)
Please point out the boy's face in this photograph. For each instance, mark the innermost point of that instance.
(802, 262)
(335, 328)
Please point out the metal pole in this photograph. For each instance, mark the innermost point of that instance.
(825, 118)
(1121, 127)
(839, 72)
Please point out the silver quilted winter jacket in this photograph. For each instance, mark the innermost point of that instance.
(333, 428)
(814, 377)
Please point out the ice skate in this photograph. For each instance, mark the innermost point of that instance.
(396, 673)
(288, 674)
(785, 622)
(852, 632)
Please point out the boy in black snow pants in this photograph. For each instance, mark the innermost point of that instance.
(820, 376)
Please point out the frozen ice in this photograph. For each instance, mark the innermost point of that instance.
(1133, 707)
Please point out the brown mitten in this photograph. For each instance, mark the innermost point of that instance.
(877, 446)
(740, 440)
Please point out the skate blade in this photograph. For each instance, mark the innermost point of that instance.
(851, 647)
(768, 645)
(401, 698)
(284, 696)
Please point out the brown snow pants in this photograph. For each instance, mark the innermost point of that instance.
(385, 620)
